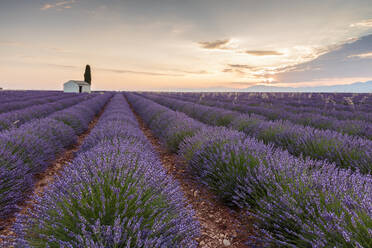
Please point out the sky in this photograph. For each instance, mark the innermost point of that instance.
(184, 44)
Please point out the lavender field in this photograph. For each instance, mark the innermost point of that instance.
(160, 169)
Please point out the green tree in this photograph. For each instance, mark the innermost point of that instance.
(87, 75)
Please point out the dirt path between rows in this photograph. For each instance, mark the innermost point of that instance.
(220, 225)
(47, 177)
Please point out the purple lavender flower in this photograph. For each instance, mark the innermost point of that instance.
(115, 194)
(345, 150)
(298, 202)
(28, 150)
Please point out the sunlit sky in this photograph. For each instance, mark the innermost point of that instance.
(184, 44)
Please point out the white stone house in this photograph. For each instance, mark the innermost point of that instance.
(74, 86)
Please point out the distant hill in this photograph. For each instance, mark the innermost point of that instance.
(359, 87)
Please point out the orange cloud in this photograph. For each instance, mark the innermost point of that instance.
(361, 56)
(139, 72)
(365, 23)
(263, 53)
(240, 66)
(59, 5)
(47, 6)
(217, 44)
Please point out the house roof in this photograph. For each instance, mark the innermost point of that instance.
(80, 83)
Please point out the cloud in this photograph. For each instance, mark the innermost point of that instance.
(120, 71)
(124, 71)
(257, 72)
(58, 5)
(333, 64)
(361, 56)
(47, 6)
(217, 44)
(243, 83)
(11, 43)
(57, 49)
(232, 44)
(365, 23)
(265, 74)
(39, 46)
(64, 66)
(240, 66)
(64, 3)
(240, 72)
(263, 53)
(190, 72)
(234, 70)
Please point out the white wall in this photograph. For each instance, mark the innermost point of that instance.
(86, 89)
(71, 87)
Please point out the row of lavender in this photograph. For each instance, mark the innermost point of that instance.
(14, 119)
(297, 202)
(327, 107)
(6, 107)
(352, 113)
(114, 194)
(321, 101)
(344, 150)
(353, 123)
(24, 95)
(28, 150)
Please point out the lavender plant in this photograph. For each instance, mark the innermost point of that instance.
(28, 150)
(292, 198)
(110, 126)
(12, 97)
(346, 151)
(10, 106)
(14, 119)
(115, 194)
(111, 196)
(170, 127)
(353, 122)
(298, 202)
(79, 116)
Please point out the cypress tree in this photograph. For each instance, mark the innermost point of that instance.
(87, 75)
